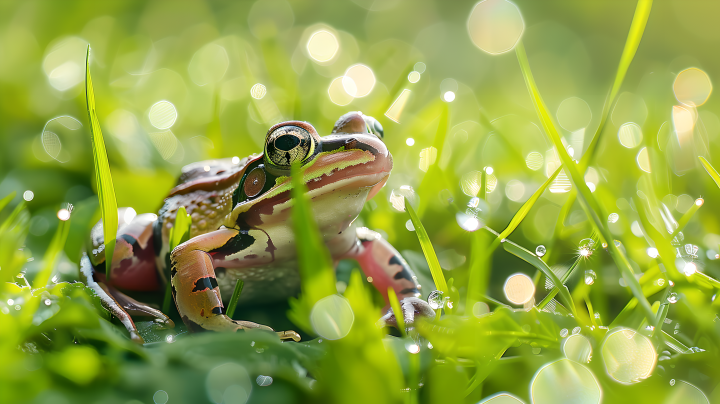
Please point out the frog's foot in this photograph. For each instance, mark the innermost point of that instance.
(411, 307)
(222, 323)
(290, 334)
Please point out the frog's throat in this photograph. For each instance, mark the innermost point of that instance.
(324, 163)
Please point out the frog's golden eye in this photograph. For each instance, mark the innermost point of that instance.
(287, 145)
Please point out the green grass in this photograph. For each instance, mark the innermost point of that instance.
(58, 345)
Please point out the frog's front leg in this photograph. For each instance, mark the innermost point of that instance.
(195, 288)
(386, 268)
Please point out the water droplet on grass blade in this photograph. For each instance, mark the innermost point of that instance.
(590, 277)
(263, 381)
(436, 300)
(672, 298)
(540, 250)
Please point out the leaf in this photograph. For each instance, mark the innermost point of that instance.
(587, 201)
(428, 250)
(103, 178)
(710, 170)
(637, 28)
(525, 209)
(397, 310)
(535, 261)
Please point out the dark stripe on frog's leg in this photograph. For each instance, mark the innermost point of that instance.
(197, 296)
(205, 283)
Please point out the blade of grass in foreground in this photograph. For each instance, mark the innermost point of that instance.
(637, 28)
(103, 178)
(525, 209)
(535, 261)
(179, 233)
(4, 201)
(235, 297)
(314, 263)
(395, 304)
(710, 170)
(428, 250)
(587, 201)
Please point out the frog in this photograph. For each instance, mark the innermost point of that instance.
(241, 229)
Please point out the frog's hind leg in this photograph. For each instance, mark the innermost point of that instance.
(136, 308)
(195, 288)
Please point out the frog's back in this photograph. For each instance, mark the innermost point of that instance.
(205, 189)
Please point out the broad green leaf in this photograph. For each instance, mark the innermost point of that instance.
(637, 28)
(710, 170)
(103, 178)
(525, 209)
(317, 274)
(587, 201)
(428, 250)
(535, 261)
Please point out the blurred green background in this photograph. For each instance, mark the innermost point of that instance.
(205, 59)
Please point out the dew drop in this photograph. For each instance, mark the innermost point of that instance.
(590, 277)
(540, 250)
(436, 300)
(564, 332)
(613, 218)
(672, 298)
(672, 382)
(661, 281)
(576, 331)
(264, 380)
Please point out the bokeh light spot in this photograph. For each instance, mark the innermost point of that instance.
(683, 392)
(629, 108)
(449, 96)
(574, 114)
(643, 160)
(495, 26)
(28, 195)
(397, 107)
(228, 380)
(323, 46)
(519, 289)
(163, 115)
(358, 81)
(577, 348)
(534, 160)
(692, 87)
(630, 135)
(209, 64)
(332, 317)
(337, 93)
(258, 91)
(414, 77)
(501, 398)
(565, 382)
(629, 356)
(515, 190)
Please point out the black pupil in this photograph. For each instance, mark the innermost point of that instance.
(287, 142)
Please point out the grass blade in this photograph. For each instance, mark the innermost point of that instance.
(428, 250)
(314, 263)
(235, 297)
(4, 201)
(395, 304)
(179, 233)
(103, 178)
(525, 209)
(535, 261)
(710, 170)
(637, 28)
(587, 201)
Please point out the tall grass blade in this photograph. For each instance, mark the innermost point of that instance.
(397, 310)
(535, 261)
(428, 250)
(179, 233)
(637, 28)
(525, 209)
(4, 201)
(710, 170)
(235, 297)
(314, 263)
(103, 178)
(587, 201)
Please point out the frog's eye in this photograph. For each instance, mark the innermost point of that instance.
(287, 145)
(373, 126)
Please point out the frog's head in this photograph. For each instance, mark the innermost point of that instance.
(345, 168)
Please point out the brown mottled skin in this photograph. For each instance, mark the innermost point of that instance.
(240, 229)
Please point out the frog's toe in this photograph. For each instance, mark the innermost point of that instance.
(248, 325)
(290, 334)
(135, 337)
(412, 307)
